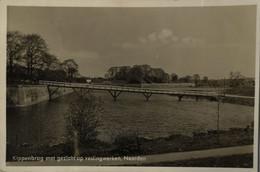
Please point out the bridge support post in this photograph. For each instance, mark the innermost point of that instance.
(51, 92)
(180, 96)
(147, 95)
(81, 93)
(114, 94)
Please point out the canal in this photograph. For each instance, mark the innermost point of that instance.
(44, 123)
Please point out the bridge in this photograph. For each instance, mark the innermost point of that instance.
(81, 89)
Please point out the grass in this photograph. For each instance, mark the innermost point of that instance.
(242, 91)
(239, 101)
(173, 143)
(237, 161)
(199, 141)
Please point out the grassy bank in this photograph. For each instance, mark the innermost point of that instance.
(241, 91)
(239, 101)
(132, 144)
(231, 100)
(199, 141)
(236, 161)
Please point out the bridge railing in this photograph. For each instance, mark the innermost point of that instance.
(126, 89)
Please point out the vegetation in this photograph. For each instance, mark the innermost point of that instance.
(34, 49)
(29, 60)
(239, 161)
(132, 144)
(82, 120)
(174, 77)
(147, 74)
(240, 100)
(242, 91)
(138, 74)
(127, 144)
(71, 68)
(14, 50)
(199, 141)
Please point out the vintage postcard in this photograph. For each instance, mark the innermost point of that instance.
(129, 85)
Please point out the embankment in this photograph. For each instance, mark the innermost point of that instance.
(231, 100)
(168, 85)
(239, 101)
(240, 96)
(25, 95)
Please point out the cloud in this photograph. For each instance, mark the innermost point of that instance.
(142, 40)
(195, 40)
(175, 38)
(155, 39)
(125, 45)
(164, 36)
(128, 45)
(152, 36)
(192, 40)
(186, 40)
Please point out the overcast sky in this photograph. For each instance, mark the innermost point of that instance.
(210, 41)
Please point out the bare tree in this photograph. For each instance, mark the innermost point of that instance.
(71, 67)
(35, 49)
(14, 49)
(50, 62)
(196, 78)
(236, 78)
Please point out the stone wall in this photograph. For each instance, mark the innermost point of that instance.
(25, 95)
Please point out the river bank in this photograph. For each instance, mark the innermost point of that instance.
(239, 96)
(137, 145)
(237, 161)
(239, 101)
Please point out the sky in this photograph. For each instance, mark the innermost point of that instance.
(210, 41)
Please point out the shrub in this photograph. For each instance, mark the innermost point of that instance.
(174, 136)
(127, 144)
(82, 120)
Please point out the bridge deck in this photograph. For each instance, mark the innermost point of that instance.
(128, 89)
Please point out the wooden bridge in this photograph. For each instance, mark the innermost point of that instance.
(81, 89)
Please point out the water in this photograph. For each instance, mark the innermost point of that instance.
(162, 115)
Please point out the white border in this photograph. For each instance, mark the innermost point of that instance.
(129, 3)
(115, 3)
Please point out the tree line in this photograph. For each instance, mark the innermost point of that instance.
(138, 74)
(29, 59)
(148, 74)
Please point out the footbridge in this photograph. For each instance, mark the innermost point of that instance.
(81, 89)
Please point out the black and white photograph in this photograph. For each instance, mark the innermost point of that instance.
(131, 86)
